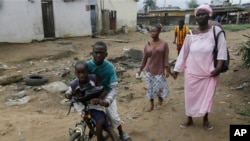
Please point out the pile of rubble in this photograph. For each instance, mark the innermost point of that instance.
(145, 29)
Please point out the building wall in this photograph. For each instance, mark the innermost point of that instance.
(20, 21)
(172, 13)
(167, 17)
(71, 18)
(167, 20)
(126, 12)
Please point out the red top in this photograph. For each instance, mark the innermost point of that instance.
(155, 59)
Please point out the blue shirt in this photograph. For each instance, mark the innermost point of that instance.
(105, 72)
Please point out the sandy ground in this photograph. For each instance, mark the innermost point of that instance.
(45, 119)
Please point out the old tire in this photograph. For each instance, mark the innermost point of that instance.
(35, 80)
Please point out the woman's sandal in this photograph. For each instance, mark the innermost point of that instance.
(186, 124)
(207, 126)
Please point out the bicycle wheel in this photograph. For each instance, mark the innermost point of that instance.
(75, 137)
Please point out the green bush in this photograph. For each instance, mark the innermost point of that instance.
(245, 51)
(243, 110)
(235, 27)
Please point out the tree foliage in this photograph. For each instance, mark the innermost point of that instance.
(245, 52)
(192, 4)
(149, 4)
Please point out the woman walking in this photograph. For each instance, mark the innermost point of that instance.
(200, 75)
(155, 62)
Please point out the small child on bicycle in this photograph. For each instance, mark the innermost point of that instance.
(78, 88)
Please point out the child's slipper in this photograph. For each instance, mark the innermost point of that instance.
(126, 137)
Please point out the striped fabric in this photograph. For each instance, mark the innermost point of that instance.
(181, 34)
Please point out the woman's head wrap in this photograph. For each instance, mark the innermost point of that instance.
(205, 7)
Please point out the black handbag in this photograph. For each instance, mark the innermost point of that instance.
(225, 65)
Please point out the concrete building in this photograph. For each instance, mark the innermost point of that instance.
(171, 17)
(123, 13)
(26, 20)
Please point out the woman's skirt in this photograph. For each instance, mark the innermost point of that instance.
(156, 86)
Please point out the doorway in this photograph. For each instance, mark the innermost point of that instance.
(48, 19)
(112, 16)
(93, 16)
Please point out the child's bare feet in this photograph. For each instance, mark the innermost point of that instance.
(151, 108)
(148, 109)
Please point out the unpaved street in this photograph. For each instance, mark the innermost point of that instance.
(43, 118)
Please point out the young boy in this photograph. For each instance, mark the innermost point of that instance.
(78, 87)
(180, 33)
(105, 71)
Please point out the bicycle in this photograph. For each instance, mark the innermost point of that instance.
(78, 133)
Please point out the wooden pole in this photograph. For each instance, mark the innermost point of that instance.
(238, 13)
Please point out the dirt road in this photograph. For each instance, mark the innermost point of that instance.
(44, 118)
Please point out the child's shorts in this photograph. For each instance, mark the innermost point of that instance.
(97, 115)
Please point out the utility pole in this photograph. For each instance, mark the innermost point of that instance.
(238, 13)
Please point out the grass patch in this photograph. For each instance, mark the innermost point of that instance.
(245, 51)
(243, 110)
(235, 27)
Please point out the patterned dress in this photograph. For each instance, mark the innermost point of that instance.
(155, 59)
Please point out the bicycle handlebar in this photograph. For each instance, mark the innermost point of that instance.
(75, 99)
(89, 94)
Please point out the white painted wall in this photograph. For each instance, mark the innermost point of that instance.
(20, 21)
(126, 11)
(71, 18)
